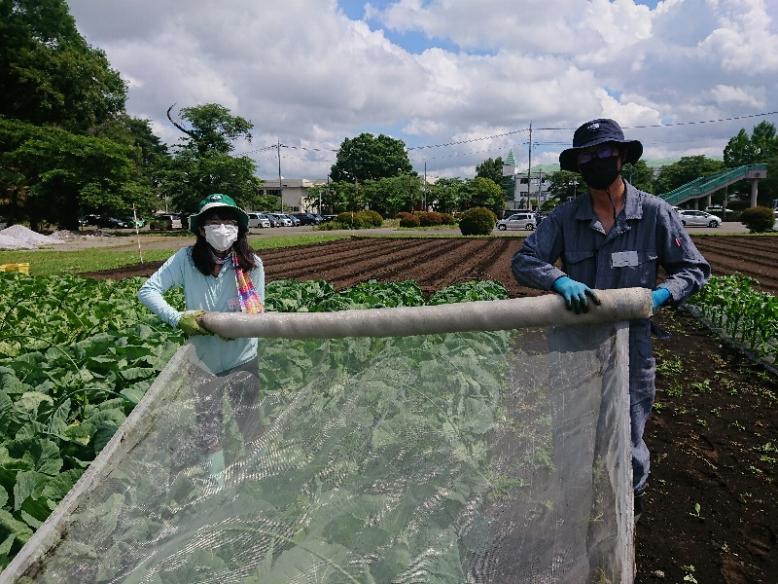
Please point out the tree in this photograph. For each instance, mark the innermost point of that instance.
(213, 127)
(564, 184)
(739, 150)
(192, 177)
(491, 168)
(390, 195)
(367, 157)
(639, 175)
(48, 72)
(484, 192)
(202, 163)
(685, 170)
(50, 174)
(448, 194)
(759, 147)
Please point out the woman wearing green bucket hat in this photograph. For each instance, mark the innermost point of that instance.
(219, 273)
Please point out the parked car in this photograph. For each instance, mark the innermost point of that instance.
(326, 218)
(307, 218)
(295, 220)
(524, 221)
(775, 225)
(281, 219)
(694, 218)
(132, 222)
(258, 220)
(171, 220)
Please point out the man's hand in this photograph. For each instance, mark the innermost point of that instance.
(188, 323)
(659, 298)
(575, 294)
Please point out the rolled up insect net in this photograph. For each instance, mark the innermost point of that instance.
(487, 453)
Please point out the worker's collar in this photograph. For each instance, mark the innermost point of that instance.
(633, 205)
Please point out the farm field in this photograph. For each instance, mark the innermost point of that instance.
(433, 263)
(714, 434)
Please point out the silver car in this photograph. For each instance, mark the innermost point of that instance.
(694, 218)
(525, 221)
(258, 220)
(283, 219)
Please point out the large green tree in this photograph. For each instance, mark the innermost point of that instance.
(202, 163)
(639, 175)
(484, 192)
(564, 184)
(50, 174)
(448, 194)
(685, 170)
(393, 194)
(368, 157)
(760, 146)
(48, 72)
(491, 168)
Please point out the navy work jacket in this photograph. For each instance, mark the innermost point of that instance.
(648, 233)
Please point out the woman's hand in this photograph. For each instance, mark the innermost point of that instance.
(190, 325)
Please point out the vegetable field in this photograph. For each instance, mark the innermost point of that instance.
(76, 355)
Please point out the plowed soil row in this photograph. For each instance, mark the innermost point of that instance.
(436, 263)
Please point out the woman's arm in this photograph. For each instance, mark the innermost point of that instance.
(169, 275)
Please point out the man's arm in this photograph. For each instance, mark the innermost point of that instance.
(686, 268)
(533, 264)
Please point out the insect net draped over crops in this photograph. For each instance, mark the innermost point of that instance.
(464, 457)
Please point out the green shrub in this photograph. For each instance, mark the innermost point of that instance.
(477, 221)
(352, 220)
(372, 218)
(758, 219)
(408, 219)
(333, 225)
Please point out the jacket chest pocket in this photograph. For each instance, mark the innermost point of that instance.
(581, 265)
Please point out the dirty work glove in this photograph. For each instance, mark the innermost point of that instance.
(659, 298)
(188, 323)
(575, 294)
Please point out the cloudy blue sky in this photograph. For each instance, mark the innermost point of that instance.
(312, 72)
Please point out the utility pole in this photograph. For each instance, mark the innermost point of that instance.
(280, 186)
(424, 192)
(529, 164)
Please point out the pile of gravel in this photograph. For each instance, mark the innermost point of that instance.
(20, 237)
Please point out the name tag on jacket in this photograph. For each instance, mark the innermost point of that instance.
(624, 259)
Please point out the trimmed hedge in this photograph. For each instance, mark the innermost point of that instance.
(477, 221)
(431, 218)
(758, 219)
(408, 219)
(360, 219)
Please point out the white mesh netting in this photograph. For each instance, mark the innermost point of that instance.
(478, 457)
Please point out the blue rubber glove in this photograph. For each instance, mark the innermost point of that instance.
(575, 294)
(659, 298)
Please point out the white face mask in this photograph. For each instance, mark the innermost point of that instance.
(221, 237)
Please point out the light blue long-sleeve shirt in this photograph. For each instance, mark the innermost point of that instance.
(201, 292)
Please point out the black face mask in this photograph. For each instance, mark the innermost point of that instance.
(599, 173)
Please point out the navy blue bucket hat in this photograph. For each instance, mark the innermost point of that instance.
(596, 132)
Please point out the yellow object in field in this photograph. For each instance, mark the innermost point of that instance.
(21, 268)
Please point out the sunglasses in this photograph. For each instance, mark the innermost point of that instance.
(601, 152)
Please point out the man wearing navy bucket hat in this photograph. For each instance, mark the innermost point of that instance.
(614, 236)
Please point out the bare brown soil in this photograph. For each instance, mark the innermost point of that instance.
(714, 434)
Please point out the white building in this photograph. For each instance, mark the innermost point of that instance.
(293, 191)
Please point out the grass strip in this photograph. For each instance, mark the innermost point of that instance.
(53, 261)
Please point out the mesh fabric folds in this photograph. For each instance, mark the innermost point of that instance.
(490, 457)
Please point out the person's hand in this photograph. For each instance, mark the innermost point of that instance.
(188, 323)
(576, 294)
(658, 298)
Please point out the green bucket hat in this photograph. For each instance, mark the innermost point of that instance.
(213, 201)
